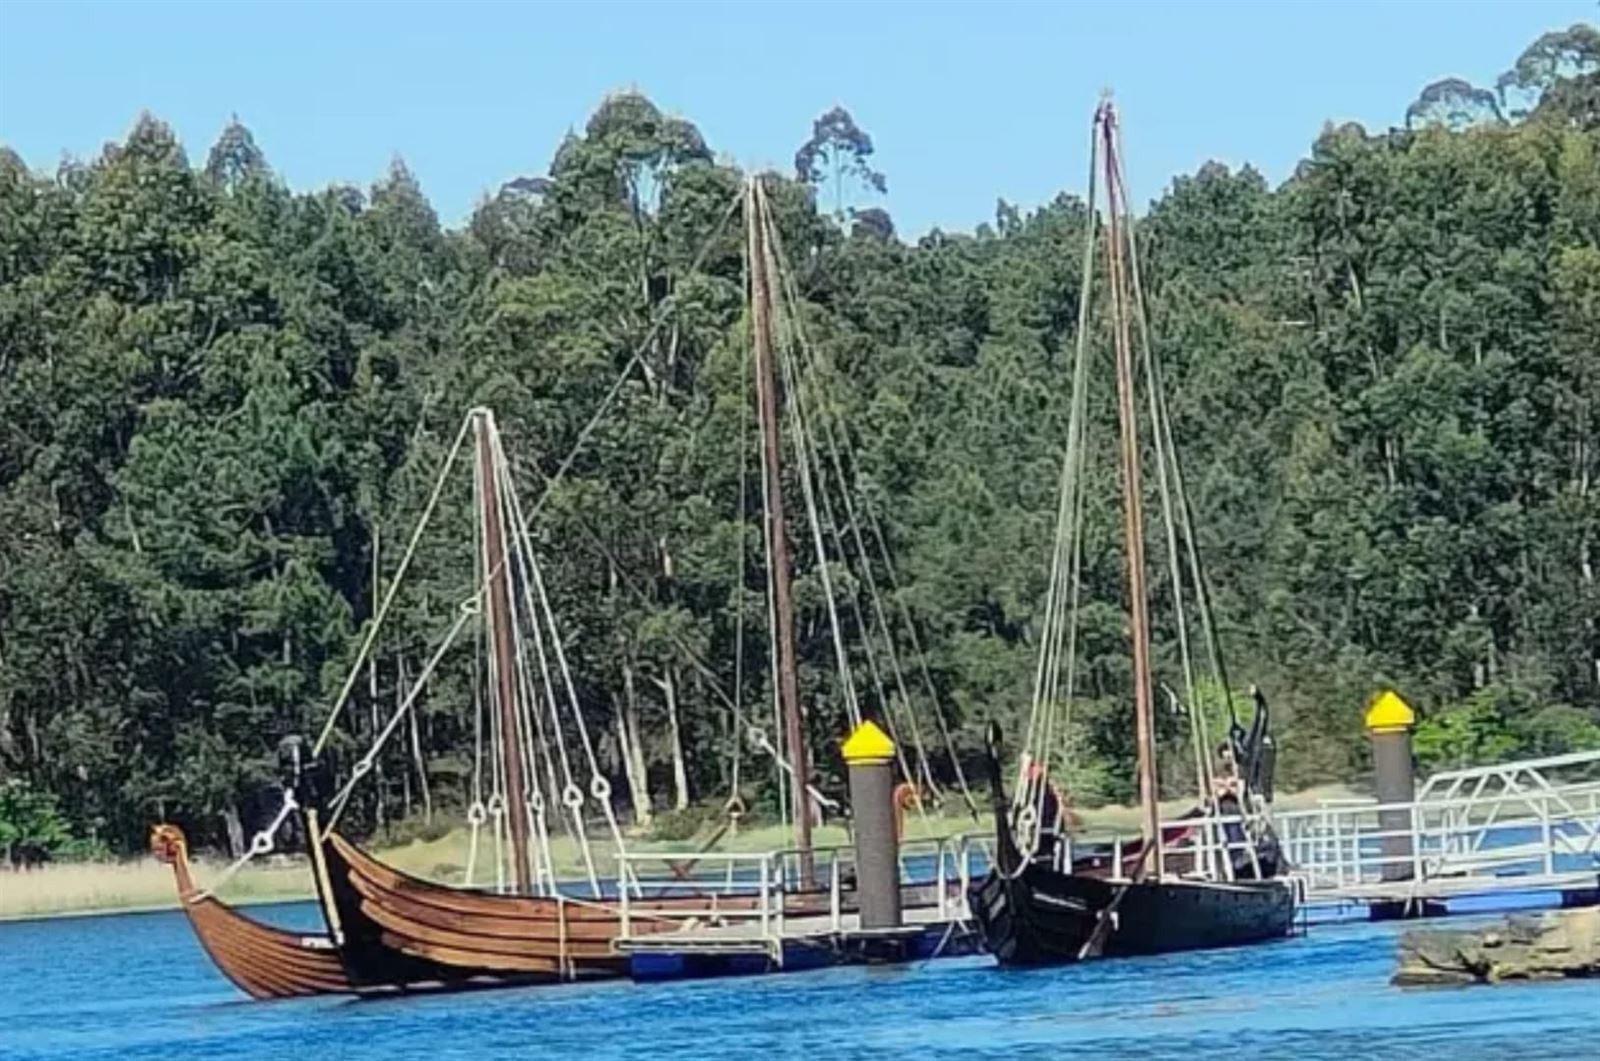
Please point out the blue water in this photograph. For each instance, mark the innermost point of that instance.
(138, 986)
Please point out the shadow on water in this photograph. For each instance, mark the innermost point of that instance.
(138, 986)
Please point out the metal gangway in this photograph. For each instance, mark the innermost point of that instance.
(1518, 826)
(757, 902)
(1530, 825)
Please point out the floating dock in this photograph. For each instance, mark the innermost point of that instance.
(1515, 836)
(759, 915)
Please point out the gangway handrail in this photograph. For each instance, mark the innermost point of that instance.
(1459, 775)
(1515, 836)
(762, 876)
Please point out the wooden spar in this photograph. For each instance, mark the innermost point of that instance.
(1132, 498)
(498, 574)
(777, 539)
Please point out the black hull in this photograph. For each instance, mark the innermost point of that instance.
(1045, 918)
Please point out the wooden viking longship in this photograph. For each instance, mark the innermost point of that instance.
(1042, 903)
(393, 931)
(396, 931)
(262, 961)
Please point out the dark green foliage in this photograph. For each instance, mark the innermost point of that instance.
(32, 829)
(840, 151)
(223, 403)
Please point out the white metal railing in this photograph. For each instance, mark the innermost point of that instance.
(1213, 847)
(1496, 840)
(1552, 773)
(743, 898)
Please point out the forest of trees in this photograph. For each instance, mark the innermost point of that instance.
(222, 404)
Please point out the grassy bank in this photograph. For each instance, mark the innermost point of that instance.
(144, 883)
(135, 884)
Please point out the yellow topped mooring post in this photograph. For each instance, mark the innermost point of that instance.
(1389, 724)
(869, 754)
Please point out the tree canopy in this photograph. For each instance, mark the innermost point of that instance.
(222, 403)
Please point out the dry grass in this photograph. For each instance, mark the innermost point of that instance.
(136, 884)
(147, 884)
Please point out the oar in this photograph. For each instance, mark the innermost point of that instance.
(1102, 927)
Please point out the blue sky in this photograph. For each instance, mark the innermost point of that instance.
(967, 102)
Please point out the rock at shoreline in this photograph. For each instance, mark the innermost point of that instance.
(1539, 947)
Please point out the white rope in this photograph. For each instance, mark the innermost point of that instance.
(599, 786)
(477, 812)
(758, 737)
(570, 795)
(562, 791)
(814, 482)
(808, 491)
(801, 381)
(260, 844)
(535, 747)
(669, 303)
(534, 743)
(884, 629)
(812, 368)
(466, 611)
(786, 800)
(541, 617)
(821, 368)
(394, 589)
(739, 586)
(523, 711)
(1164, 456)
(476, 815)
(498, 785)
(1058, 638)
(551, 481)
(1176, 514)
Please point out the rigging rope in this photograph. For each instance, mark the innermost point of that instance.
(813, 478)
(758, 737)
(817, 382)
(260, 844)
(536, 749)
(466, 611)
(1058, 636)
(538, 618)
(636, 357)
(477, 812)
(820, 367)
(394, 589)
(599, 786)
(739, 588)
(784, 774)
(654, 329)
(1164, 456)
(1185, 508)
(798, 422)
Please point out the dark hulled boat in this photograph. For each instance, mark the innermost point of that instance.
(1047, 918)
(1211, 881)
(1030, 913)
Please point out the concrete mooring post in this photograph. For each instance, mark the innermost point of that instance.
(869, 754)
(1389, 724)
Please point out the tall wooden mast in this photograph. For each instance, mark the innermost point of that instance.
(777, 539)
(1132, 496)
(498, 574)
